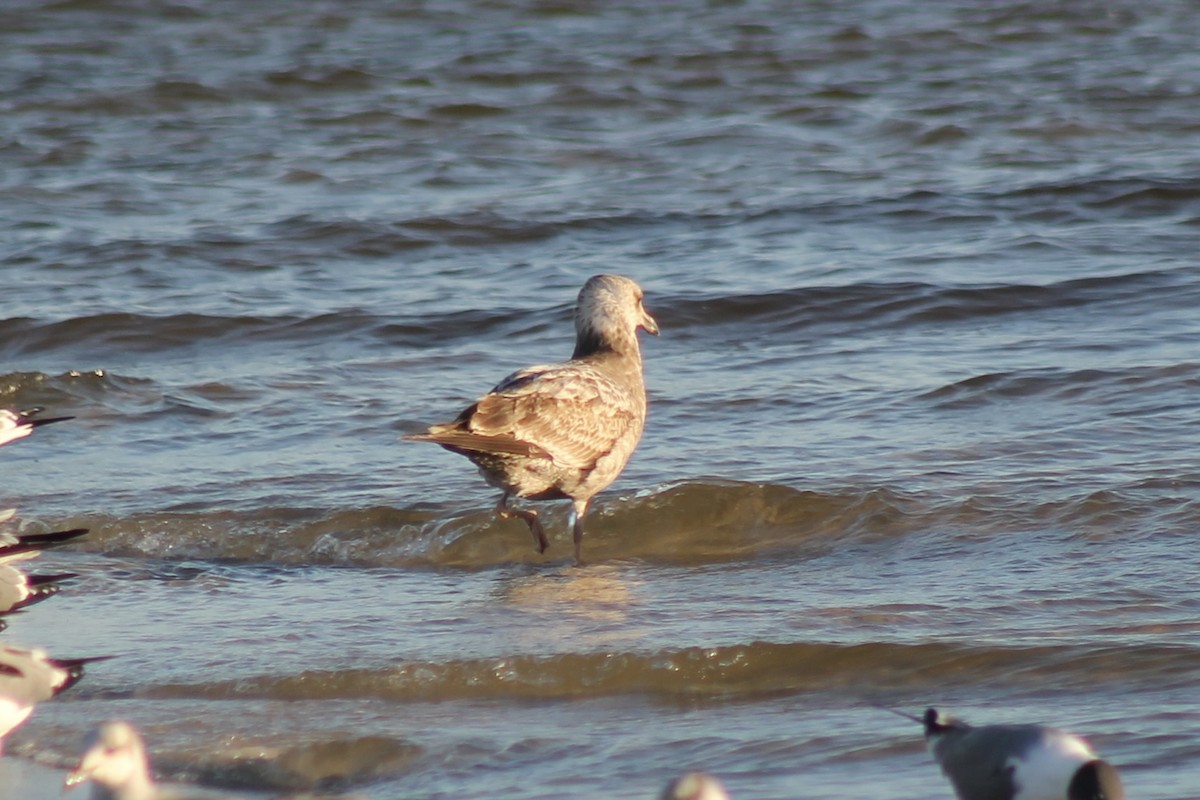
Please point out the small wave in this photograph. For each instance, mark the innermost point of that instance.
(325, 766)
(93, 337)
(797, 309)
(354, 237)
(1126, 293)
(379, 238)
(97, 336)
(694, 522)
(74, 392)
(1084, 385)
(748, 669)
(157, 97)
(863, 305)
(1136, 197)
(468, 111)
(903, 304)
(146, 333)
(322, 79)
(96, 394)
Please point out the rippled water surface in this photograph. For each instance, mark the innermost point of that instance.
(923, 411)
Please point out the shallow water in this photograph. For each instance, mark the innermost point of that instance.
(922, 425)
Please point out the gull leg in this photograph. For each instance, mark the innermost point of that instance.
(581, 508)
(531, 519)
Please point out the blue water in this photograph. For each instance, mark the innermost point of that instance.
(922, 414)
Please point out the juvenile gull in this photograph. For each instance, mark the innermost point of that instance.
(563, 431)
(1018, 762)
(114, 760)
(18, 424)
(27, 677)
(695, 786)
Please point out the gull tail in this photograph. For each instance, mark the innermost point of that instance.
(31, 542)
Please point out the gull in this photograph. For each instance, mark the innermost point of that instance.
(27, 677)
(563, 431)
(1018, 762)
(114, 760)
(18, 590)
(19, 547)
(19, 424)
(695, 786)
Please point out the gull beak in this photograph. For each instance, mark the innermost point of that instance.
(647, 323)
(76, 777)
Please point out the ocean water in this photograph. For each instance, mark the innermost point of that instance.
(922, 415)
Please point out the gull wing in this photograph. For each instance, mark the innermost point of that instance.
(572, 412)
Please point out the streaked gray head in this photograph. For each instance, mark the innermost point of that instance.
(695, 786)
(608, 315)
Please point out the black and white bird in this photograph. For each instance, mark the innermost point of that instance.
(695, 786)
(19, 590)
(28, 677)
(563, 431)
(19, 424)
(114, 760)
(1018, 762)
(18, 547)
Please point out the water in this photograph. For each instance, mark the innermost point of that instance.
(922, 425)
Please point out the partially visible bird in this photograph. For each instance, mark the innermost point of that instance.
(1018, 762)
(27, 677)
(114, 760)
(563, 431)
(18, 547)
(695, 786)
(19, 424)
(18, 590)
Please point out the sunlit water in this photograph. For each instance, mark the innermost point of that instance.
(922, 425)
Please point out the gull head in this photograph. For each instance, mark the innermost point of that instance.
(695, 786)
(609, 314)
(114, 758)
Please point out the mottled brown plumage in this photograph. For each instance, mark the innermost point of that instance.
(563, 431)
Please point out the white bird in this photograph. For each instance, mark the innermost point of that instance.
(695, 786)
(18, 590)
(563, 431)
(27, 677)
(1018, 762)
(22, 546)
(19, 424)
(114, 760)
